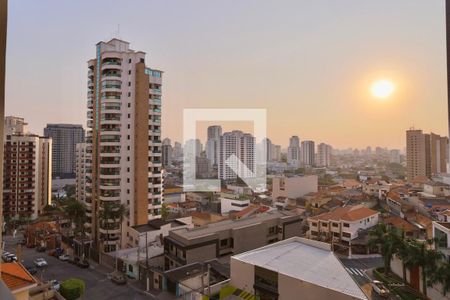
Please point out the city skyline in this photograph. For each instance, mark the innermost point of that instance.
(274, 65)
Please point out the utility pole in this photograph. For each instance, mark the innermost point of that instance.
(146, 261)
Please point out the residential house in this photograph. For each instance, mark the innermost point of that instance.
(18, 280)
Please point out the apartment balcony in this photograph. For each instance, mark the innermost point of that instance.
(155, 92)
(155, 111)
(108, 107)
(155, 101)
(111, 76)
(109, 198)
(111, 66)
(90, 123)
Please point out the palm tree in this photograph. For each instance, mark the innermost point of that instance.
(403, 252)
(77, 213)
(442, 275)
(421, 255)
(114, 211)
(387, 241)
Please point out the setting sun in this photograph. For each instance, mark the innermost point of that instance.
(382, 88)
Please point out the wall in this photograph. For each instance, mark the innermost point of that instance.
(201, 253)
(242, 275)
(250, 237)
(294, 187)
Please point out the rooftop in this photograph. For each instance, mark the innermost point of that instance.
(156, 224)
(306, 260)
(15, 276)
(212, 228)
(347, 213)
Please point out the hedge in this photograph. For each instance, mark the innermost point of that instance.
(72, 288)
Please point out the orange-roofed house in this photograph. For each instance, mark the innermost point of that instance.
(342, 224)
(18, 280)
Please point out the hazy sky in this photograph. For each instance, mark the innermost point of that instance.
(310, 63)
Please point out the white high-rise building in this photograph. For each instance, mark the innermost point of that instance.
(293, 151)
(242, 145)
(323, 155)
(213, 144)
(394, 156)
(276, 152)
(123, 143)
(308, 153)
(80, 171)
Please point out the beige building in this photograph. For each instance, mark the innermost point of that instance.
(426, 154)
(294, 186)
(26, 173)
(80, 171)
(228, 237)
(295, 268)
(123, 141)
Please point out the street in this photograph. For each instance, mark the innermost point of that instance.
(360, 270)
(98, 286)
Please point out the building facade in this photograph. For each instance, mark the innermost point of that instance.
(293, 151)
(167, 153)
(65, 137)
(426, 154)
(123, 143)
(80, 171)
(27, 170)
(308, 153)
(241, 145)
(213, 144)
(324, 155)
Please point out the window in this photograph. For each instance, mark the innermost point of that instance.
(129, 83)
(346, 225)
(223, 243)
(129, 72)
(129, 95)
(129, 60)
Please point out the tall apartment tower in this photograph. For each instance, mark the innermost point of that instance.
(80, 171)
(65, 138)
(242, 145)
(323, 155)
(167, 153)
(15, 125)
(276, 153)
(426, 154)
(293, 151)
(308, 153)
(213, 144)
(123, 143)
(27, 166)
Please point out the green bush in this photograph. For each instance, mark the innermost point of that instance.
(72, 288)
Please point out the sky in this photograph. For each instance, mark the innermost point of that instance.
(309, 63)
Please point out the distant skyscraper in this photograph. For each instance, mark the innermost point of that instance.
(27, 185)
(426, 154)
(394, 156)
(323, 155)
(193, 145)
(308, 153)
(167, 153)
(276, 153)
(65, 137)
(242, 145)
(268, 149)
(123, 142)
(293, 151)
(213, 144)
(177, 151)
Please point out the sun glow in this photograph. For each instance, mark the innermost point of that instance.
(382, 89)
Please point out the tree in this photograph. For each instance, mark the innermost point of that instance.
(72, 289)
(111, 210)
(387, 241)
(77, 213)
(164, 211)
(421, 255)
(442, 275)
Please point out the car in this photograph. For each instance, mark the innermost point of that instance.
(379, 288)
(31, 269)
(118, 278)
(41, 249)
(40, 262)
(55, 284)
(64, 257)
(12, 257)
(83, 264)
(74, 260)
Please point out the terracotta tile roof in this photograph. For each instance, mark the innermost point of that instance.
(421, 179)
(359, 213)
(348, 213)
(15, 276)
(399, 223)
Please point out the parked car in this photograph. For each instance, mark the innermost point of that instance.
(31, 269)
(118, 278)
(379, 288)
(55, 284)
(41, 249)
(11, 257)
(83, 264)
(74, 260)
(64, 257)
(40, 262)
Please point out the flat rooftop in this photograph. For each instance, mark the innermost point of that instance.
(306, 260)
(156, 224)
(192, 233)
